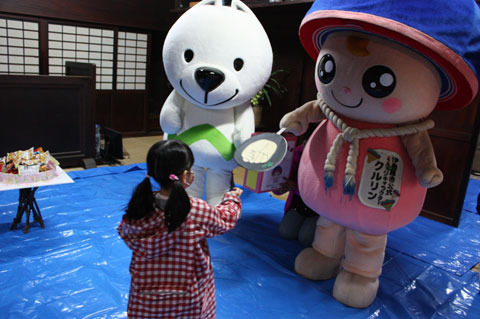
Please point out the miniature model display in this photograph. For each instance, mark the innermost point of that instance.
(215, 69)
(382, 68)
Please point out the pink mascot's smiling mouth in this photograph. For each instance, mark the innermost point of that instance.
(345, 105)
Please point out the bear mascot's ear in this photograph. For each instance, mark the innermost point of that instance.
(217, 54)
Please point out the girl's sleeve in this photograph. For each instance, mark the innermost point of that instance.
(217, 220)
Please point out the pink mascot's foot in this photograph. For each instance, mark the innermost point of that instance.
(355, 290)
(315, 266)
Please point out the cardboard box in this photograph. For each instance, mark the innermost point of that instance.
(267, 181)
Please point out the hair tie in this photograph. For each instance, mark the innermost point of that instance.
(173, 177)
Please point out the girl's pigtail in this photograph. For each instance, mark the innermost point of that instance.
(177, 207)
(141, 203)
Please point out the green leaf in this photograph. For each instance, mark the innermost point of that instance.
(272, 86)
(269, 101)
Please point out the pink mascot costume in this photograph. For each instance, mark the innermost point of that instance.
(382, 68)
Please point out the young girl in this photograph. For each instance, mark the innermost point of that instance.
(167, 231)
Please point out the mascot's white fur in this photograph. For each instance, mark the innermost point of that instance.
(217, 56)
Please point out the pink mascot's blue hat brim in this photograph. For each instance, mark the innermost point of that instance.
(447, 33)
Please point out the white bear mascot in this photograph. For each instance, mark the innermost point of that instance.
(217, 56)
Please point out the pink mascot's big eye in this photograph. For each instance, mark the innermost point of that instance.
(379, 81)
(326, 69)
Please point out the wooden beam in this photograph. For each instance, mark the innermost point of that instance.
(144, 14)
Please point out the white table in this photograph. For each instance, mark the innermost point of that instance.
(27, 203)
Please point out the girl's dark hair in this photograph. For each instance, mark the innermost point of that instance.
(164, 158)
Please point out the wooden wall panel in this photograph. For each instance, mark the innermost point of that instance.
(290, 58)
(458, 121)
(53, 112)
(159, 88)
(309, 89)
(103, 108)
(281, 24)
(128, 112)
(144, 14)
(444, 202)
(454, 139)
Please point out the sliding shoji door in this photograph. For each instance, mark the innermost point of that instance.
(130, 98)
(82, 44)
(19, 46)
(132, 61)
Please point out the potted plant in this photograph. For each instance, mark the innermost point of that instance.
(264, 96)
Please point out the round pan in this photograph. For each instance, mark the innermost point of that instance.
(262, 152)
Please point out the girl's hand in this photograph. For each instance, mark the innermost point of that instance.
(236, 191)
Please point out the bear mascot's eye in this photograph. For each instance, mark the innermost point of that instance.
(238, 64)
(188, 55)
(379, 81)
(326, 69)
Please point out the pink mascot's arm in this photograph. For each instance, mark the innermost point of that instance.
(420, 150)
(297, 121)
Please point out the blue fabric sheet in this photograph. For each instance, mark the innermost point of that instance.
(77, 267)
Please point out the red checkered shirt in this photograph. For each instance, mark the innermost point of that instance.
(171, 273)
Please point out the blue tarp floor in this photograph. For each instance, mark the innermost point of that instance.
(77, 266)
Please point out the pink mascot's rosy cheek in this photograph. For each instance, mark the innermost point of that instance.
(391, 105)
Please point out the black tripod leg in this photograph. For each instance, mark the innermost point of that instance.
(37, 216)
(22, 206)
(30, 194)
(27, 204)
(27, 218)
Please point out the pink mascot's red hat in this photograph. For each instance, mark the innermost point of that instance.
(447, 33)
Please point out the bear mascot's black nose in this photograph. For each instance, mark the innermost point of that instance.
(209, 78)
